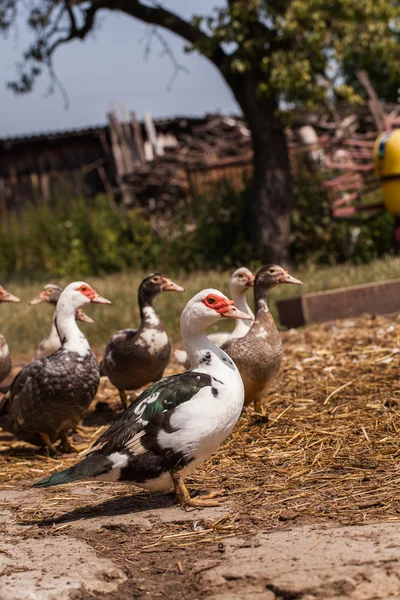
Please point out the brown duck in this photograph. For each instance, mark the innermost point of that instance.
(5, 359)
(258, 355)
(136, 357)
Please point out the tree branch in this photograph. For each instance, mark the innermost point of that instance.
(167, 51)
(75, 31)
(168, 20)
(76, 18)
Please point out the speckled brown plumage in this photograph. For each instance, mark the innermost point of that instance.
(258, 355)
(129, 364)
(50, 396)
(136, 357)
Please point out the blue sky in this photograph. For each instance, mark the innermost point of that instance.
(109, 66)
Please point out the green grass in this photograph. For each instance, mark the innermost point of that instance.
(24, 326)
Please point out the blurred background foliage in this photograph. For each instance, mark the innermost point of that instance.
(90, 237)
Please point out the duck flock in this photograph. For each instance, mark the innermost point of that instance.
(178, 421)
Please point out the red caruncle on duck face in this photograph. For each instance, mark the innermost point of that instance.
(90, 293)
(224, 306)
(217, 303)
(87, 291)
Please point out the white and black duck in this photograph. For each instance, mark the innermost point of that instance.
(135, 357)
(178, 422)
(5, 358)
(49, 396)
(50, 294)
(258, 355)
(241, 281)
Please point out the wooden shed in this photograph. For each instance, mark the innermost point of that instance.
(53, 164)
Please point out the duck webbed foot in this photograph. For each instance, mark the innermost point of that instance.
(212, 495)
(66, 445)
(48, 447)
(260, 414)
(183, 496)
(258, 406)
(200, 502)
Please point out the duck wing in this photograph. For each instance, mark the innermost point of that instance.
(159, 398)
(125, 438)
(19, 385)
(115, 351)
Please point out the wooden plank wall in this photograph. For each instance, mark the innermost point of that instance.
(229, 175)
(49, 167)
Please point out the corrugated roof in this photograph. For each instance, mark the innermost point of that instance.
(162, 123)
(53, 134)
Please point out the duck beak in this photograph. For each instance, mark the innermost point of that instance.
(234, 313)
(97, 299)
(81, 316)
(250, 280)
(287, 278)
(170, 286)
(39, 298)
(7, 297)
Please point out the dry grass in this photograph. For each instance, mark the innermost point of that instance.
(329, 448)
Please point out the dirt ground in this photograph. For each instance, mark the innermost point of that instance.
(311, 495)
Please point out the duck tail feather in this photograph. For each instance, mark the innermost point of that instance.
(91, 467)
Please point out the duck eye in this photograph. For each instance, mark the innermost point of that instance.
(272, 271)
(84, 288)
(156, 280)
(50, 291)
(211, 300)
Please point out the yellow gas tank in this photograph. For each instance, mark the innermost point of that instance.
(387, 168)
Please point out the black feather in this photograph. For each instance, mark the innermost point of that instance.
(92, 466)
(163, 395)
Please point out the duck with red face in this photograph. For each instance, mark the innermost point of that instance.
(49, 396)
(136, 357)
(179, 421)
(241, 281)
(5, 358)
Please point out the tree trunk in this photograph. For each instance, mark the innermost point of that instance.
(272, 195)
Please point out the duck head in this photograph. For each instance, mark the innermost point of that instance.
(207, 307)
(155, 284)
(271, 275)
(76, 295)
(50, 294)
(242, 279)
(7, 297)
